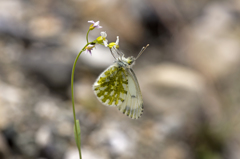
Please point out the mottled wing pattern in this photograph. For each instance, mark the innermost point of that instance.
(133, 104)
(112, 85)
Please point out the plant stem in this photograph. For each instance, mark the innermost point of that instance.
(87, 35)
(72, 90)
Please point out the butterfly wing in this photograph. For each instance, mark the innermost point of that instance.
(118, 86)
(112, 85)
(133, 104)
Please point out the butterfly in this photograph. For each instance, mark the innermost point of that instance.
(118, 86)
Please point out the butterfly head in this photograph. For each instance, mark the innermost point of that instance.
(130, 60)
(126, 62)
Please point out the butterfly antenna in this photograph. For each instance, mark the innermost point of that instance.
(143, 49)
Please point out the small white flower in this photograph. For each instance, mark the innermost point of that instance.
(104, 36)
(114, 44)
(89, 48)
(94, 25)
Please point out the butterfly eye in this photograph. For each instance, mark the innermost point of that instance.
(130, 62)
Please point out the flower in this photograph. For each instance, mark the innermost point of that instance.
(89, 48)
(102, 39)
(114, 48)
(114, 44)
(94, 25)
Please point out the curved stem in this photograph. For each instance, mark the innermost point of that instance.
(72, 90)
(87, 35)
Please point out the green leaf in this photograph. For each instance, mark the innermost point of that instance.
(77, 134)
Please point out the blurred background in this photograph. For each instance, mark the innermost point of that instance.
(189, 77)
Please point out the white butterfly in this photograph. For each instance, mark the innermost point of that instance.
(118, 86)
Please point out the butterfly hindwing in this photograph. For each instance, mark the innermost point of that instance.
(112, 85)
(133, 105)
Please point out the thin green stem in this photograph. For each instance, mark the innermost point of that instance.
(72, 90)
(87, 35)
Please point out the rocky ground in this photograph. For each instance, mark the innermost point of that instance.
(189, 77)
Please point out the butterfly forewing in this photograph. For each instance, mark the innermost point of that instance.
(112, 85)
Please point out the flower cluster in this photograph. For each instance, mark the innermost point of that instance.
(102, 40)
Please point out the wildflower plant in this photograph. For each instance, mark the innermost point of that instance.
(101, 40)
(119, 79)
